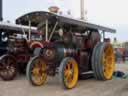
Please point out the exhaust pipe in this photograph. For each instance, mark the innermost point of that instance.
(1, 15)
(1, 18)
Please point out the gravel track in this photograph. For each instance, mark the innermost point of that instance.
(90, 87)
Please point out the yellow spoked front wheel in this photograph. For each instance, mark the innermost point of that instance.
(68, 72)
(103, 61)
(37, 71)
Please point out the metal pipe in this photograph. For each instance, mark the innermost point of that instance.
(82, 9)
(46, 32)
(29, 31)
(103, 35)
(1, 14)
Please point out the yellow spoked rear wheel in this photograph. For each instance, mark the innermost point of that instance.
(68, 72)
(37, 71)
(103, 62)
(108, 61)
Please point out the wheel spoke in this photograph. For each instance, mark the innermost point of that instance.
(8, 61)
(68, 66)
(3, 63)
(35, 71)
(67, 74)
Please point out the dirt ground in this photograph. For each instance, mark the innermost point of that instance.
(90, 87)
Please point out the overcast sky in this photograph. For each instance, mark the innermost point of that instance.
(110, 13)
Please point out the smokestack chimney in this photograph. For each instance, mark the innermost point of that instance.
(83, 11)
(1, 15)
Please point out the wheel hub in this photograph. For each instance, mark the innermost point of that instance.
(36, 71)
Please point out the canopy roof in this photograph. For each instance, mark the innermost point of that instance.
(9, 27)
(39, 16)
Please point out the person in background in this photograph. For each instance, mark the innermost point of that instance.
(125, 54)
(117, 55)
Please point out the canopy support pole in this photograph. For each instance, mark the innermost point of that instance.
(46, 32)
(53, 31)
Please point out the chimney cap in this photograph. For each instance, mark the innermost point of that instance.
(53, 9)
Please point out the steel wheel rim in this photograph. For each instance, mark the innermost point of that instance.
(39, 71)
(108, 62)
(70, 73)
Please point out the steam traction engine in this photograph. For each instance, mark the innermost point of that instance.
(16, 48)
(71, 47)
